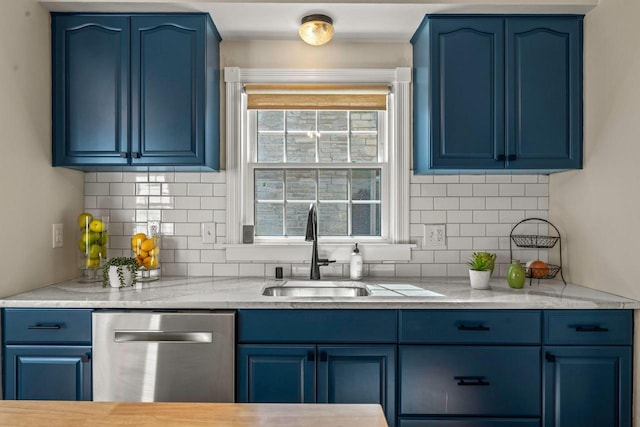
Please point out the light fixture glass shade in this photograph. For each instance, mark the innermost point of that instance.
(316, 29)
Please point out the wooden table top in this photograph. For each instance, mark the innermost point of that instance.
(100, 414)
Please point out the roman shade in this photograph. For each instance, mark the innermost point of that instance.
(316, 97)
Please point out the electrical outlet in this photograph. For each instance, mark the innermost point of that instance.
(434, 236)
(57, 235)
(208, 232)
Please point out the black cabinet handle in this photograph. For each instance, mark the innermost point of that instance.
(311, 356)
(473, 328)
(550, 357)
(591, 328)
(85, 357)
(500, 157)
(136, 155)
(323, 356)
(472, 381)
(38, 326)
(511, 157)
(125, 155)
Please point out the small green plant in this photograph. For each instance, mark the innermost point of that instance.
(481, 261)
(124, 262)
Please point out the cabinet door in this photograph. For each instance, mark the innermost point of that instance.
(47, 372)
(544, 92)
(358, 374)
(276, 374)
(467, 90)
(90, 90)
(469, 422)
(587, 387)
(498, 381)
(168, 90)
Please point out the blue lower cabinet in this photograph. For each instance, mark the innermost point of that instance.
(276, 374)
(492, 381)
(469, 422)
(587, 386)
(318, 374)
(47, 372)
(358, 374)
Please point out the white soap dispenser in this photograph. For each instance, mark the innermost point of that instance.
(356, 264)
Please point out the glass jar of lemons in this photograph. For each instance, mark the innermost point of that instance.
(93, 242)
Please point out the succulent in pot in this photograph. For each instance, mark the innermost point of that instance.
(480, 267)
(120, 272)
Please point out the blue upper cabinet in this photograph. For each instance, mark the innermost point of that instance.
(170, 115)
(90, 90)
(497, 93)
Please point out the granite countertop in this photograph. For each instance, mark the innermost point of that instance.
(234, 293)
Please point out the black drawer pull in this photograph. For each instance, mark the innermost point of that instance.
(38, 326)
(511, 157)
(474, 381)
(549, 357)
(473, 328)
(590, 328)
(500, 157)
(323, 356)
(311, 356)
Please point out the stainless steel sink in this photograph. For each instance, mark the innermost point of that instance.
(303, 289)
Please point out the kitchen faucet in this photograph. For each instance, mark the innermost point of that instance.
(312, 236)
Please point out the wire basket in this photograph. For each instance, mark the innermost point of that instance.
(534, 241)
(548, 272)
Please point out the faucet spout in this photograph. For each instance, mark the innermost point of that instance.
(312, 236)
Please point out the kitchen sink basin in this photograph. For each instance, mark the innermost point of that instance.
(303, 289)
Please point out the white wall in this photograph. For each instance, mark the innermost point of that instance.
(32, 193)
(598, 208)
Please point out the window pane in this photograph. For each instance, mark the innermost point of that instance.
(364, 121)
(270, 120)
(365, 184)
(297, 218)
(301, 148)
(333, 148)
(332, 120)
(269, 185)
(270, 148)
(333, 184)
(365, 220)
(301, 120)
(301, 185)
(364, 148)
(268, 219)
(332, 219)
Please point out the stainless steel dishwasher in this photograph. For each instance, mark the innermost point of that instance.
(162, 356)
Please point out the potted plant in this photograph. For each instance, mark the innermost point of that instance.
(120, 272)
(480, 270)
(491, 258)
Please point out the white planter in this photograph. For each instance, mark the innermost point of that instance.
(114, 280)
(479, 279)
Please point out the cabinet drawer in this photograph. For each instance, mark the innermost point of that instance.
(465, 380)
(588, 327)
(317, 326)
(470, 326)
(47, 326)
(469, 422)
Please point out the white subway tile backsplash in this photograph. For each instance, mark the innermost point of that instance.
(459, 190)
(479, 212)
(511, 190)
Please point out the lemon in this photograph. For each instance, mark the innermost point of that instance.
(103, 252)
(82, 246)
(92, 263)
(84, 219)
(139, 260)
(147, 245)
(96, 225)
(155, 251)
(150, 262)
(104, 238)
(90, 237)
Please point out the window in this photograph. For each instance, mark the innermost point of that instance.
(358, 175)
(333, 158)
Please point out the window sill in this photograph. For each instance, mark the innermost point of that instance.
(301, 252)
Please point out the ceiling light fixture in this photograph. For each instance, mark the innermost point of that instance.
(316, 29)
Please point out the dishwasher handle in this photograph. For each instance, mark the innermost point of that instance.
(163, 337)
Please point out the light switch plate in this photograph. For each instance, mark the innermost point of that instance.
(57, 235)
(435, 236)
(208, 232)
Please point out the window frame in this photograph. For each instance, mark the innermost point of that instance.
(396, 246)
(382, 164)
